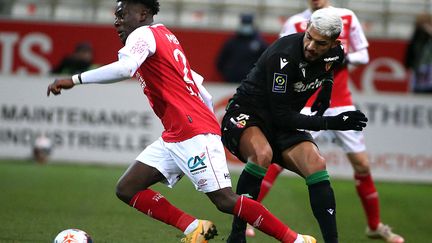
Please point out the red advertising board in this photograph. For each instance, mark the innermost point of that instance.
(35, 47)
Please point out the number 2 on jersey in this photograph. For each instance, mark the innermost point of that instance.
(181, 58)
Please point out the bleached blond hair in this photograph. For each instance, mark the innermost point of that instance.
(327, 22)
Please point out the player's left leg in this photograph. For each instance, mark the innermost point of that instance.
(267, 183)
(153, 165)
(133, 189)
(365, 187)
(369, 197)
(255, 214)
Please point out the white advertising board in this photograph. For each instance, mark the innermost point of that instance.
(113, 123)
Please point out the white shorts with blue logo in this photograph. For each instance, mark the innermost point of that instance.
(201, 158)
(350, 141)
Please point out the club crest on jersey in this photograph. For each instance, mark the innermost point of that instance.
(196, 163)
(240, 121)
(279, 83)
(328, 66)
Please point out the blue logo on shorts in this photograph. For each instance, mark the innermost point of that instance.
(197, 163)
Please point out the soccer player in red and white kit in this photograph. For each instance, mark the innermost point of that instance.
(190, 143)
(352, 142)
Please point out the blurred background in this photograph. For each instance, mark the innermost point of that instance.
(43, 39)
(112, 124)
(380, 18)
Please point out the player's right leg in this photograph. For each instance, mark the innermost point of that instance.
(258, 152)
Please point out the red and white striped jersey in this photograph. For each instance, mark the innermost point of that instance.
(352, 38)
(166, 79)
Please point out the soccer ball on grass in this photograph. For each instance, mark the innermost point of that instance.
(73, 236)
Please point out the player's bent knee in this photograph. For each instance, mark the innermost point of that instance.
(362, 169)
(321, 163)
(224, 207)
(262, 157)
(316, 162)
(123, 194)
(224, 200)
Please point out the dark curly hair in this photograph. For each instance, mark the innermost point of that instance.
(153, 5)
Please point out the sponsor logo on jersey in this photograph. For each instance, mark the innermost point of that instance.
(279, 83)
(283, 62)
(331, 59)
(301, 87)
(196, 163)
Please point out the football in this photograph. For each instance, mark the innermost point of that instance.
(73, 236)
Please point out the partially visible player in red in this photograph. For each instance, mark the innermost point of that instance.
(191, 141)
(352, 142)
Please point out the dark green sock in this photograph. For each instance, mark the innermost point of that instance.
(323, 204)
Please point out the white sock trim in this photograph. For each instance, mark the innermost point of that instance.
(191, 227)
(299, 239)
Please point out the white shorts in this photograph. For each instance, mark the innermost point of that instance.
(201, 158)
(350, 141)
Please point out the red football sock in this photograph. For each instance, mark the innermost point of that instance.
(369, 198)
(258, 216)
(156, 206)
(272, 173)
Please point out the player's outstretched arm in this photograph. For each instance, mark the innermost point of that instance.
(59, 84)
(348, 120)
(122, 69)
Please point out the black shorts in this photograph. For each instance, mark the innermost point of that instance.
(238, 117)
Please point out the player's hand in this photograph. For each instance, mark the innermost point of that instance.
(322, 101)
(348, 120)
(58, 85)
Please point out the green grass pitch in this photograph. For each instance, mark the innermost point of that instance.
(36, 202)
